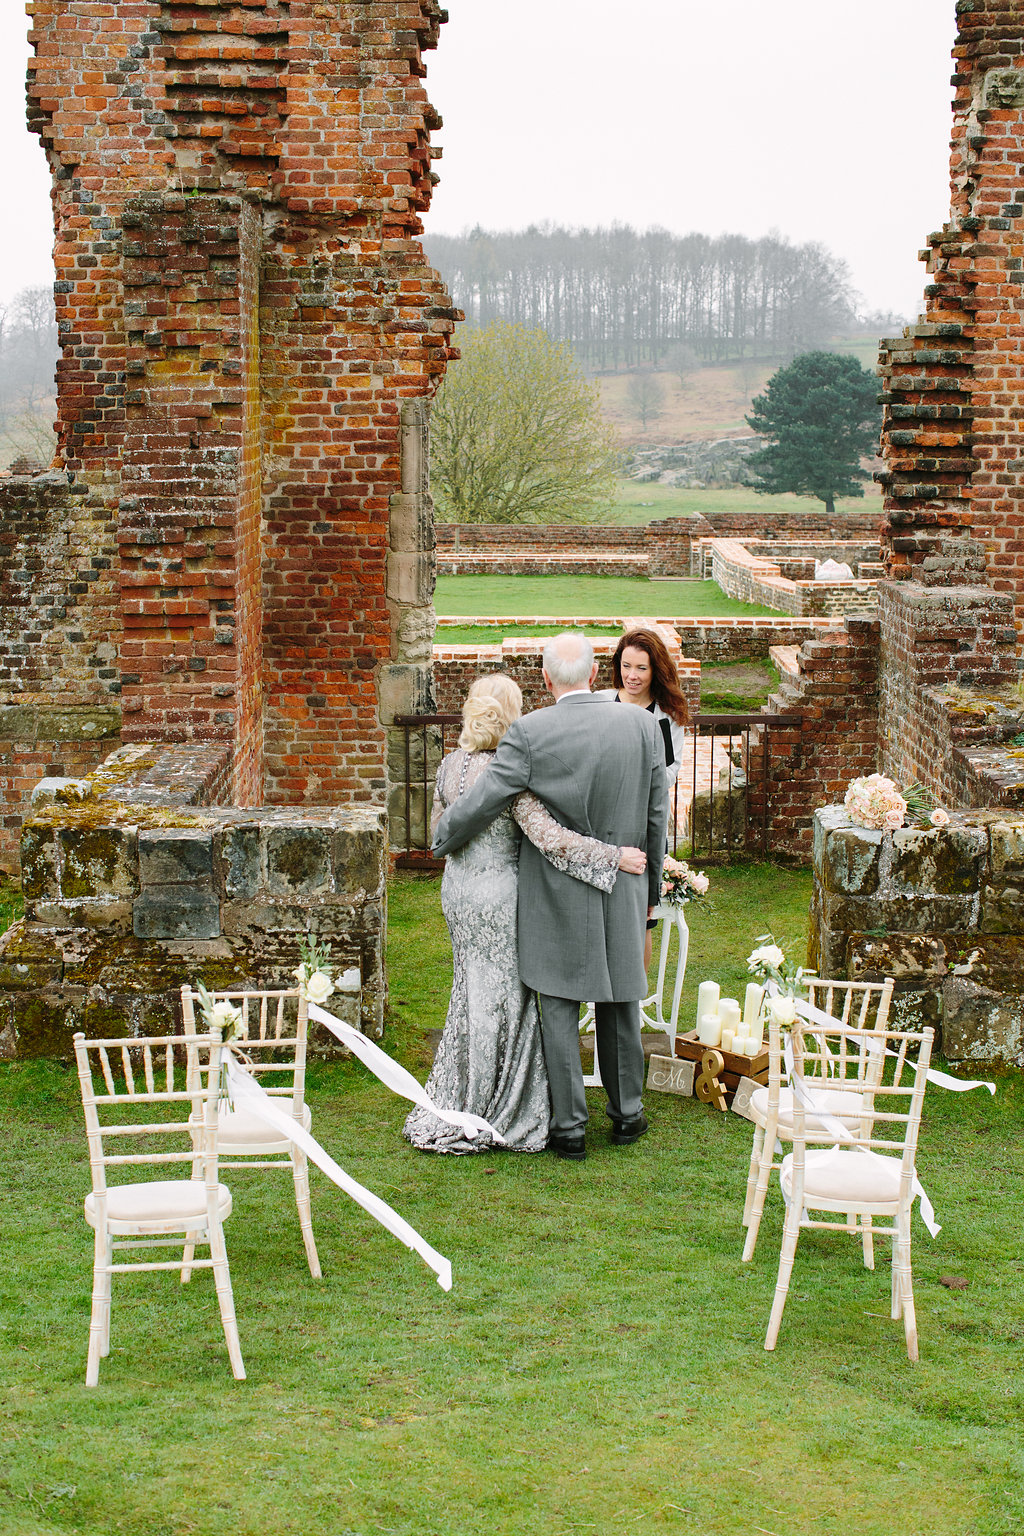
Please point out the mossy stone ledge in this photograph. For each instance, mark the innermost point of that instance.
(134, 883)
(941, 909)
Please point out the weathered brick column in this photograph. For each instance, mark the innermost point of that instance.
(250, 334)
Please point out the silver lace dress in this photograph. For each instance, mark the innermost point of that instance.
(489, 1060)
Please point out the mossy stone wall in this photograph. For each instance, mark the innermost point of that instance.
(133, 886)
(941, 910)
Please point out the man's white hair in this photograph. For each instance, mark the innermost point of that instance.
(569, 660)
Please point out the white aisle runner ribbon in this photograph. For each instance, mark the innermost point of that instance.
(245, 1089)
(932, 1074)
(397, 1078)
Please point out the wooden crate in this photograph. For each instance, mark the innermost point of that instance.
(689, 1048)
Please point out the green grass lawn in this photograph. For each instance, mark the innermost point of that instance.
(593, 597)
(598, 1365)
(634, 502)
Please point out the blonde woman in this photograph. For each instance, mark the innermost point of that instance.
(489, 1060)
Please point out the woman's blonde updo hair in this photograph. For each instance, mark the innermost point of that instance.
(492, 703)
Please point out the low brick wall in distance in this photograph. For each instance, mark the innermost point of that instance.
(456, 666)
(942, 911)
(755, 578)
(705, 640)
(138, 880)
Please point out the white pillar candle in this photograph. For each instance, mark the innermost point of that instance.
(729, 1013)
(708, 994)
(752, 1006)
(756, 1030)
(751, 1047)
(709, 1029)
(728, 1040)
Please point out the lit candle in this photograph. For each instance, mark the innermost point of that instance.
(752, 1006)
(729, 1013)
(708, 994)
(728, 1040)
(709, 1029)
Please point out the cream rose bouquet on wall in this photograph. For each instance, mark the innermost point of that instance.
(880, 803)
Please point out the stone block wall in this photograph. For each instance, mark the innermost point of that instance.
(942, 911)
(143, 879)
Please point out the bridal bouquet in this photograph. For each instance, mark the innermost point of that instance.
(681, 884)
(878, 802)
(313, 976)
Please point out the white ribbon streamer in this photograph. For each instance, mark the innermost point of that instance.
(932, 1074)
(258, 1101)
(397, 1078)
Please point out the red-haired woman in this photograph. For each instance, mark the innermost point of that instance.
(644, 674)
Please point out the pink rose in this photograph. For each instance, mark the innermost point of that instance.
(939, 817)
(893, 820)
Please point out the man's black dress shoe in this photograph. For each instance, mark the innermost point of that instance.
(572, 1147)
(625, 1132)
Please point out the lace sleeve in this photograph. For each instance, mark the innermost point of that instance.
(585, 858)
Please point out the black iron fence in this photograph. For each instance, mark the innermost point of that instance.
(727, 798)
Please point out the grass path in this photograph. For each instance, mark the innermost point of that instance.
(591, 597)
(597, 1366)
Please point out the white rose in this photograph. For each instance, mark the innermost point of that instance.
(300, 975)
(783, 1010)
(769, 955)
(939, 817)
(319, 987)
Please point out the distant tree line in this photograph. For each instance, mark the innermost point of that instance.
(623, 298)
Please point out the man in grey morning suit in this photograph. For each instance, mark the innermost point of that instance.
(599, 767)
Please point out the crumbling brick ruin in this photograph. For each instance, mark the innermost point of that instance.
(236, 548)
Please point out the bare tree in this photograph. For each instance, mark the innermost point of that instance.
(646, 396)
(516, 432)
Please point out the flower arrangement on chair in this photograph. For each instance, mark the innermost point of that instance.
(680, 884)
(229, 1020)
(313, 976)
(880, 803)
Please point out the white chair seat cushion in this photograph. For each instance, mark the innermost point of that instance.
(843, 1104)
(834, 1175)
(239, 1128)
(160, 1201)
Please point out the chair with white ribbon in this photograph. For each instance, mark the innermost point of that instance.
(866, 1171)
(270, 1045)
(862, 1005)
(145, 1094)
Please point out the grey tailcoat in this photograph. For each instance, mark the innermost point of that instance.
(600, 769)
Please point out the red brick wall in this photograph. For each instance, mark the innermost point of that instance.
(244, 313)
(837, 695)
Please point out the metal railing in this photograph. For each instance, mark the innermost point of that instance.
(721, 807)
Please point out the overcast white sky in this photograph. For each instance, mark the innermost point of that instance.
(825, 119)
